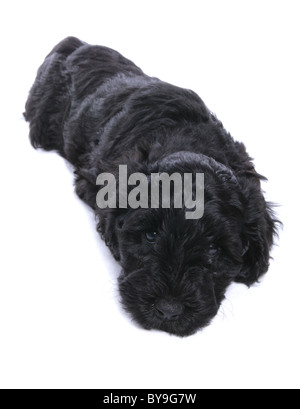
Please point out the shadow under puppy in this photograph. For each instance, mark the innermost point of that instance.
(99, 110)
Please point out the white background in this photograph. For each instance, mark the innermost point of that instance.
(60, 318)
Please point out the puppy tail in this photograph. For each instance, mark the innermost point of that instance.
(48, 103)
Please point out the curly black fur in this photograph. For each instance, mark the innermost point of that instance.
(99, 110)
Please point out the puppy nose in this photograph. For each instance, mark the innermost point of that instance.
(168, 309)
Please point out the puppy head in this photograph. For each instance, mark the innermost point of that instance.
(176, 270)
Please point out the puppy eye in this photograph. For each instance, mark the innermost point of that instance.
(151, 237)
(212, 251)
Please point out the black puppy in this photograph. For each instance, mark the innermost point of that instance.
(99, 110)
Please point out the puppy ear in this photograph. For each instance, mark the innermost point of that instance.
(259, 230)
(184, 160)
